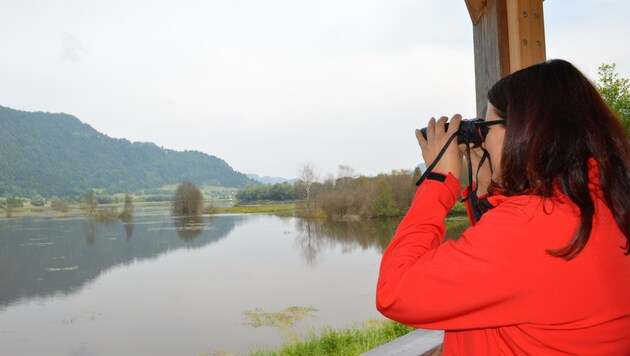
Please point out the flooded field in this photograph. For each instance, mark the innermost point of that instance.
(161, 285)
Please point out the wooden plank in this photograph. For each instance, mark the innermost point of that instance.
(475, 9)
(418, 342)
(504, 40)
(490, 37)
(513, 34)
(538, 33)
(526, 33)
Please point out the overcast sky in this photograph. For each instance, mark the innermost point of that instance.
(269, 85)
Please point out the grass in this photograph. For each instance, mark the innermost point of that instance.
(285, 208)
(271, 208)
(346, 342)
(458, 209)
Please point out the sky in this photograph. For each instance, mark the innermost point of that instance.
(271, 85)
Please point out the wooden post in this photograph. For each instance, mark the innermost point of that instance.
(526, 33)
(490, 38)
(508, 35)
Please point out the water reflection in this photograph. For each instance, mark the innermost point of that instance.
(40, 257)
(316, 236)
(68, 286)
(90, 232)
(128, 230)
(189, 227)
(126, 217)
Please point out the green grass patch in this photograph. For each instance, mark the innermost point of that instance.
(458, 209)
(346, 342)
(285, 208)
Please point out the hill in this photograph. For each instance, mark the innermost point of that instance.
(270, 180)
(56, 154)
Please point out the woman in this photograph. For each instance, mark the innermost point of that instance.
(545, 270)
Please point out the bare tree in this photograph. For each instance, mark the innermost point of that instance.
(188, 200)
(127, 214)
(345, 175)
(59, 205)
(308, 175)
(346, 172)
(90, 201)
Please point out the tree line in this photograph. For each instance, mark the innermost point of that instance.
(346, 197)
(270, 192)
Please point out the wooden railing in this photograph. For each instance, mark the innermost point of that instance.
(417, 343)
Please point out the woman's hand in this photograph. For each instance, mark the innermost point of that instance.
(451, 161)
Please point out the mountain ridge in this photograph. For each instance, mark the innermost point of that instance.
(58, 154)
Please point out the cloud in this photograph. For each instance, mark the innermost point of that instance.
(73, 48)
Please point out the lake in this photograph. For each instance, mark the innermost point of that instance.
(160, 285)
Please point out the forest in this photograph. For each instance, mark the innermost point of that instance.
(57, 154)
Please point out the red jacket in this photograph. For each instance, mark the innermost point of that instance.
(496, 291)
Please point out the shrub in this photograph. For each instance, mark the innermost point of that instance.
(104, 215)
(383, 204)
(90, 202)
(188, 200)
(38, 200)
(127, 213)
(14, 202)
(59, 205)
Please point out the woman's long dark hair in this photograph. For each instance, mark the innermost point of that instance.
(557, 125)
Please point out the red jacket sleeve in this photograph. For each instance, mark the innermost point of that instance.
(474, 282)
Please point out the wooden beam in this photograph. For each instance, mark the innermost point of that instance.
(526, 33)
(475, 9)
(508, 35)
(492, 61)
